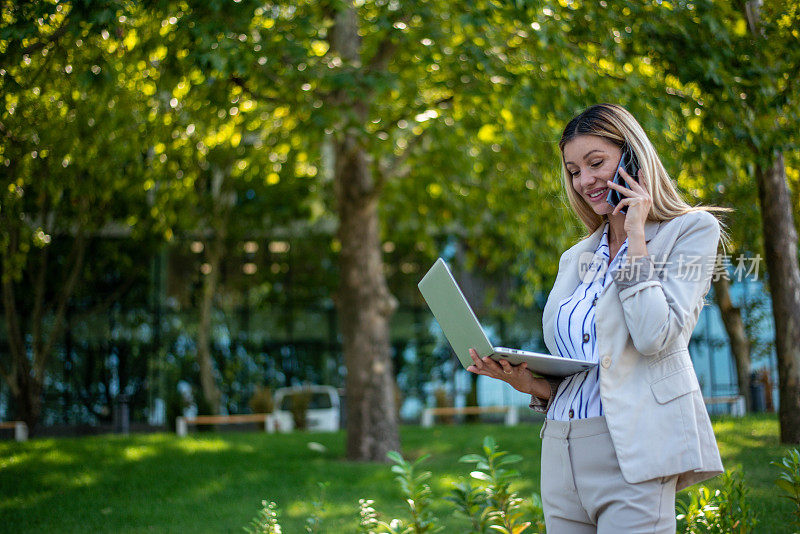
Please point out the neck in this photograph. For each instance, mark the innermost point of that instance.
(616, 229)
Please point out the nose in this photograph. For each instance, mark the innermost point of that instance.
(588, 177)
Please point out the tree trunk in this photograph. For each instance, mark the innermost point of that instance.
(364, 302)
(365, 307)
(220, 211)
(27, 374)
(28, 398)
(780, 245)
(205, 362)
(740, 344)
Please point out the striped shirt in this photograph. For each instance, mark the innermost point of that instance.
(578, 396)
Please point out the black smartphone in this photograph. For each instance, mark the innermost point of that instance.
(628, 162)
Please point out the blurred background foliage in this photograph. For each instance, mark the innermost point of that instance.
(166, 172)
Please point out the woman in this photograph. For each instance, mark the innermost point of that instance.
(620, 439)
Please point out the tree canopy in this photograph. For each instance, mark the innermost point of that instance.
(224, 122)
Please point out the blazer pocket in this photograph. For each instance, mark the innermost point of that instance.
(675, 385)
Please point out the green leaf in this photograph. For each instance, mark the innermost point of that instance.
(511, 459)
(480, 475)
(395, 456)
(786, 485)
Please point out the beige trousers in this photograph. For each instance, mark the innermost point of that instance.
(583, 490)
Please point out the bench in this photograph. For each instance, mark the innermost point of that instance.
(510, 412)
(182, 423)
(738, 408)
(20, 429)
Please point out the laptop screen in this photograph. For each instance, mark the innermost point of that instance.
(454, 314)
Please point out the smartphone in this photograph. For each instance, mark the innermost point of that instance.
(628, 162)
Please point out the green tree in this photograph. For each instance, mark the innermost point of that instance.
(72, 167)
(744, 99)
(229, 172)
(406, 102)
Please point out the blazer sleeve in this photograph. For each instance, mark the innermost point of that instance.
(660, 301)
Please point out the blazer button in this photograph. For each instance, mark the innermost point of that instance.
(585, 338)
(606, 362)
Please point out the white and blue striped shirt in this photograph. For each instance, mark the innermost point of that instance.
(578, 396)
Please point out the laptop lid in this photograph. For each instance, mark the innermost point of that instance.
(454, 314)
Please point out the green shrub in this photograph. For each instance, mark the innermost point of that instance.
(262, 401)
(417, 493)
(489, 504)
(500, 506)
(789, 481)
(266, 522)
(368, 517)
(297, 403)
(470, 502)
(722, 511)
(314, 522)
(443, 400)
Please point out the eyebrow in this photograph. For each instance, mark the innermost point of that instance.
(585, 155)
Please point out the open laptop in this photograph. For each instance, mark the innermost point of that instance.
(464, 332)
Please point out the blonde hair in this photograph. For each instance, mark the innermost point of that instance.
(616, 124)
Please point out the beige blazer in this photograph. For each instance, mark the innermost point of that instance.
(651, 398)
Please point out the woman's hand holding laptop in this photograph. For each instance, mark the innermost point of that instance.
(517, 376)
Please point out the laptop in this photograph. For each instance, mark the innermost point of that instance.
(463, 331)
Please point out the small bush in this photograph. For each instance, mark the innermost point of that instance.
(789, 481)
(417, 493)
(298, 403)
(723, 511)
(443, 400)
(489, 504)
(262, 401)
(501, 507)
(266, 522)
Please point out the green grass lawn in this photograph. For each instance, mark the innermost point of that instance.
(214, 482)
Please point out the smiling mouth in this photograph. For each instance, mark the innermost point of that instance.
(599, 194)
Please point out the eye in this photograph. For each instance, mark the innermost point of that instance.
(597, 163)
(574, 173)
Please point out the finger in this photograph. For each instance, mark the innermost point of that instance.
(507, 367)
(491, 365)
(633, 184)
(618, 207)
(621, 188)
(474, 355)
(622, 203)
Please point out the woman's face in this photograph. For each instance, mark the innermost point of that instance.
(591, 160)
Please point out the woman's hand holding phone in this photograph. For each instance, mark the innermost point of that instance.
(633, 201)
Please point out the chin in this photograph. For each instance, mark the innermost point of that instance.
(603, 210)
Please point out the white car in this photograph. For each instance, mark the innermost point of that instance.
(322, 414)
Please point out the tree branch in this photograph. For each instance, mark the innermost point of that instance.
(387, 48)
(15, 343)
(258, 96)
(39, 284)
(438, 103)
(52, 38)
(392, 170)
(384, 54)
(109, 300)
(76, 260)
